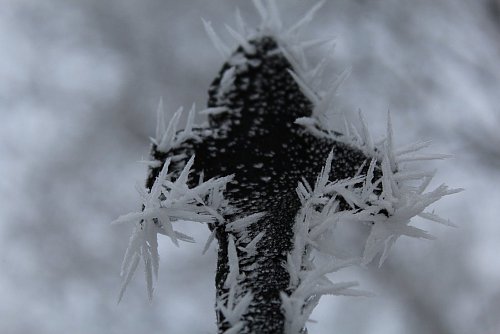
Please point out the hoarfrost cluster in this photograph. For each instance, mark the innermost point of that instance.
(167, 201)
(388, 190)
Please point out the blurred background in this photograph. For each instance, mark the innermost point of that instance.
(79, 85)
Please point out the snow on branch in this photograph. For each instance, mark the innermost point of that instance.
(386, 197)
(169, 200)
(233, 308)
(236, 301)
(309, 78)
(385, 194)
(319, 213)
(168, 136)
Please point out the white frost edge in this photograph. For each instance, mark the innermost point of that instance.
(169, 135)
(234, 304)
(310, 79)
(167, 202)
(403, 196)
(400, 198)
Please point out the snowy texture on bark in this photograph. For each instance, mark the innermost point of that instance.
(264, 147)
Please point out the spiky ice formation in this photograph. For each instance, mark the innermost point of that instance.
(267, 110)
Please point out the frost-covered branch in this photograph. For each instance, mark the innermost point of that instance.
(292, 180)
(166, 202)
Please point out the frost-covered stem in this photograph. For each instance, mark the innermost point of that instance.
(272, 180)
(254, 136)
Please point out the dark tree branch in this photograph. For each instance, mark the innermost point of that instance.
(279, 182)
(257, 140)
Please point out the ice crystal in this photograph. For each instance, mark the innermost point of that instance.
(268, 113)
(166, 202)
(387, 202)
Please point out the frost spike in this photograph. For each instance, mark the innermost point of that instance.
(306, 18)
(347, 128)
(387, 189)
(367, 137)
(188, 130)
(132, 249)
(311, 95)
(209, 241)
(435, 218)
(326, 100)
(317, 42)
(273, 16)
(261, 9)
(127, 218)
(183, 237)
(325, 173)
(385, 253)
(168, 228)
(183, 177)
(424, 157)
(334, 288)
(413, 175)
(234, 311)
(318, 70)
(337, 83)
(240, 23)
(251, 246)
(130, 272)
(178, 235)
(249, 48)
(160, 123)
(368, 186)
(156, 188)
(216, 40)
(149, 277)
(226, 82)
(241, 224)
(389, 141)
(297, 67)
(235, 329)
(234, 269)
(215, 214)
(153, 244)
(412, 148)
(356, 137)
(169, 134)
